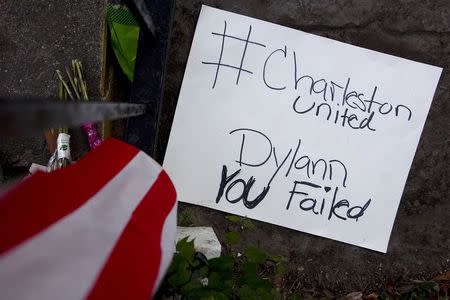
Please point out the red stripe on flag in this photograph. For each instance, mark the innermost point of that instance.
(34, 204)
(132, 268)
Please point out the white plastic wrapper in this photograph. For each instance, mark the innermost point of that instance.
(61, 158)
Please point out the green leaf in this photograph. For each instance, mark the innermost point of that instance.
(255, 255)
(276, 258)
(203, 272)
(279, 269)
(233, 237)
(230, 283)
(248, 224)
(221, 264)
(181, 276)
(222, 282)
(251, 277)
(176, 263)
(233, 218)
(215, 281)
(247, 293)
(206, 294)
(186, 249)
(252, 280)
(275, 294)
(249, 268)
(189, 287)
(295, 297)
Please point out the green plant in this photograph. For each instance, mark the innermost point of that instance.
(426, 290)
(226, 277)
(420, 290)
(233, 237)
(243, 222)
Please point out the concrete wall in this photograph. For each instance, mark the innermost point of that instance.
(420, 241)
(36, 38)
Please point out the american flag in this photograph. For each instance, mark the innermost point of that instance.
(102, 228)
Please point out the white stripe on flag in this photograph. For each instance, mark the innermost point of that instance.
(65, 259)
(168, 240)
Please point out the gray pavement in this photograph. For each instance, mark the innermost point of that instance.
(36, 38)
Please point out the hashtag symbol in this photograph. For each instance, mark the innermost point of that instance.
(220, 64)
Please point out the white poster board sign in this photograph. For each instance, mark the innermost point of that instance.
(295, 129)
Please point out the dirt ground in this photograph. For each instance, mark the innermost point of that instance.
(419, 247)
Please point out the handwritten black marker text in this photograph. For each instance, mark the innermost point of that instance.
(316, 182)
(328, 99)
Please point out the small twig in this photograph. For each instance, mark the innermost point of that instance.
(64, 83)
(83, 84)
(63, 96)
(73, 82)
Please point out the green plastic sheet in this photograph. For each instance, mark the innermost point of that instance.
(124, 32)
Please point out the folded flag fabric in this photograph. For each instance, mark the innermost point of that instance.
(102, 228)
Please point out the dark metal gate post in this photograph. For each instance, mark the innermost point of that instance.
(148, 83)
